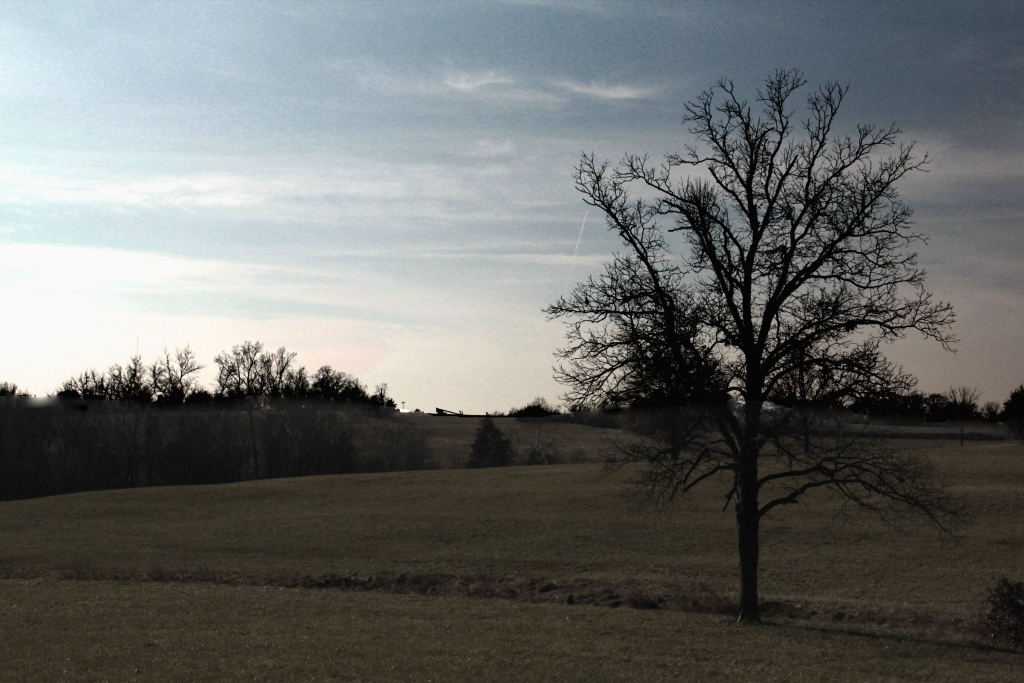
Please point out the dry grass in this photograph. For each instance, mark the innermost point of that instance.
(112, 631)
(904, 596)
(554, 523)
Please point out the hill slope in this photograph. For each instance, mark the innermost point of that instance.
(554, 523)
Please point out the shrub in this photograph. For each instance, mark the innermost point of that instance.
(538, 407)
(962, 403)
(1004, 621)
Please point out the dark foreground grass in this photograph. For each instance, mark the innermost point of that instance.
(52, 630)
(210, 570)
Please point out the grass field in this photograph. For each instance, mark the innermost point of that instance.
(122, 631)
(874, 604)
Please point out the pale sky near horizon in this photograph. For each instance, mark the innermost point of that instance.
(387, 187)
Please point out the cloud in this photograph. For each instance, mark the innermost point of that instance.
(48, 276)
(483, 181)
(443, 82)
(470, 81)
(607, 92)
(206, 190)
(346, 179)
(375, 76)
(492, 86)
(61, 279)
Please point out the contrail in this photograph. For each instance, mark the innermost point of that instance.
(580, 237)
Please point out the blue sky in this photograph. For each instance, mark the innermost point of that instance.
(387, 187)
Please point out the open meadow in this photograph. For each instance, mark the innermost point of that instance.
(522, 573)
(519, 340)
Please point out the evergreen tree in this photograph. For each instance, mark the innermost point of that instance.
(1013, 407)
(490, 447)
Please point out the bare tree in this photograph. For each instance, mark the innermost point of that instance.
(174, 377)
(296, 383)
(962, 402)
(239, 372)
(277, 369)
(796, 265)
(248, 370)
(90, 385)
(129, 383)
(990, 411)
(380, 397)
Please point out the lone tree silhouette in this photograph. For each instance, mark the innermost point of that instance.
(796, 265)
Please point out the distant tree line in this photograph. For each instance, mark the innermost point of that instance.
(246, 370)
(154, 425)
(72, 446)
(958, 403)
(169, 379)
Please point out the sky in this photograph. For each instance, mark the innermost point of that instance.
(386, 187)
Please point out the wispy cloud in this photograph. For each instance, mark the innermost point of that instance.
(555, 260)
(343, 180)
(490, 84)
(48, 274)
(444, 81)
(493, 180)
(608, 92)
(198, 190)
(45, 274)
(470, 81)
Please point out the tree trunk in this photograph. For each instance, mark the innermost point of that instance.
(747, 528)
(747, 518)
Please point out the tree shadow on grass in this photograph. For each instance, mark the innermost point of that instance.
(966, 643)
